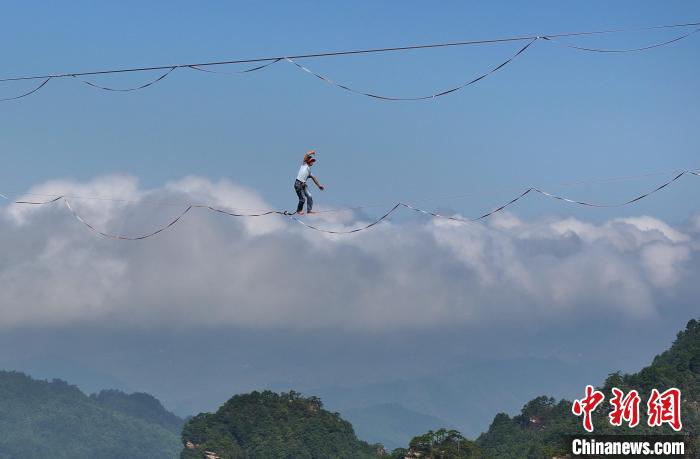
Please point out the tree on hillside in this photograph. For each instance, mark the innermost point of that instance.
(271, 426)
(439, 444)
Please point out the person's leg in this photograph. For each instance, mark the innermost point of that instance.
(309, 199)
(299, 188)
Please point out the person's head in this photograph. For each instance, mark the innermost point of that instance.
(309, 157)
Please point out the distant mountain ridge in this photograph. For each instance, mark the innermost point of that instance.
(465, 396)
(139, 405)
(53, 419)
(391, 424)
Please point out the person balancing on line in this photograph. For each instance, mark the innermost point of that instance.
(300, 185)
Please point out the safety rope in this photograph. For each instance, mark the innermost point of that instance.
(294, 217)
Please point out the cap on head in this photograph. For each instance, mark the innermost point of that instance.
(309, 156)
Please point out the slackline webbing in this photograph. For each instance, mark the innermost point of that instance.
(105, 88)
(27, 93)
(628, 50)
(268, 61)
(431, 96)
(295, 218)
(259, 67)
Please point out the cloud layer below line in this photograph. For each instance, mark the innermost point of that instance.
(262, 273)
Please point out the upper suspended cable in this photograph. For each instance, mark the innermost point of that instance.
(628, 50)
(271, 60)
(431, 96)
(127, 89)
(27, 93)
(361, 51)
(259, 67)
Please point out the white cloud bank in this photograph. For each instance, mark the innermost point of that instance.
(269, 273)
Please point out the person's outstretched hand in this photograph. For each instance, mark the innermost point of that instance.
(321, 187)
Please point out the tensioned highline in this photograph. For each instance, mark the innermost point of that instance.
(160, 203)
(274, 59)
(292, 216)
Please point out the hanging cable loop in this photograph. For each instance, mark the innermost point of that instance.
(292, 216)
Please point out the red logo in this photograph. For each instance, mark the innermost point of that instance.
(625, 408)
(662, 408)
(586, 406)
(665, 408)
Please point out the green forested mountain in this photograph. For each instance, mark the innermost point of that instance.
(542, 427)
(272, 426)
(41, 419)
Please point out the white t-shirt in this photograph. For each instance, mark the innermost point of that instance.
(304, 173)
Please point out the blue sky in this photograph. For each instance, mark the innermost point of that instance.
(261, 303)
(554, 116)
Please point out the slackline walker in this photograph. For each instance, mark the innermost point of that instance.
(300, 185)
